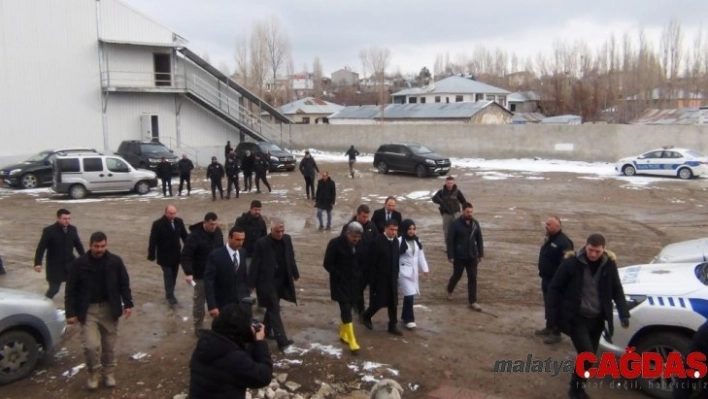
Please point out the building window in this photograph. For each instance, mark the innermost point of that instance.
(490, 97)
(447, 100)
(478, 97)
(422, 100)
(501, 100)
(512, 107)
(458, 99)
(412, 100)
(306, 119)
(437, 99)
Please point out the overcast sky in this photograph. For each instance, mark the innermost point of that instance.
(416, 30)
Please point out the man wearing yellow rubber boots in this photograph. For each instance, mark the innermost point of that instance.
(342, 262)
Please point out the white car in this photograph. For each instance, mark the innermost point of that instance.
(684, 251)
(667, 302)
(680, 162)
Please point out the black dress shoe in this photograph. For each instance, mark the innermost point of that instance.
(367, 322)
(172, 300)
(285, 344)
(395, 331)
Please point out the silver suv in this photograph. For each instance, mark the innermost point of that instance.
(30, 325)
(81, 174)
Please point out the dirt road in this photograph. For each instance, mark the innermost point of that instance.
(453, 346)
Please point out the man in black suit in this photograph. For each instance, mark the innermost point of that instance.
(383, 277)
(388, 212)
(165, 236)
(225, 278)
(59, 241)
(273, 273)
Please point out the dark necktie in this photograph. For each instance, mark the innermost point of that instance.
(66, 229)
(235, 262)
(388, 216)
(172, 223)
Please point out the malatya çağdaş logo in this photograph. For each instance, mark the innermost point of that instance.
(650, 365)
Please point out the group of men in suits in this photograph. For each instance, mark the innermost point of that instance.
(252, 259)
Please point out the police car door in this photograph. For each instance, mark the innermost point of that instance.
(672, 161)
(649, 162)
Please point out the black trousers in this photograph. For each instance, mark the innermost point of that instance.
(360, 306)
(545, 283)
(375, 306)
(54, 287)
(272, 320)
(458, 267)
(310, 187)
(169, 277)
(185, 177)
(247, 181)
(166, 186)
(262, 177)
(216, 184)
(345, 312)
(585, 335)
(232, 183)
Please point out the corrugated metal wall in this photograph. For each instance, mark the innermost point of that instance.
(49, 76)
(120, 22)
(132, 66)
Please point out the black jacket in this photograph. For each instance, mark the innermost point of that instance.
(383, 274)
(342, 262)
(255, 228)
(185, 166)
(222, 283)
(262, 272)
(364, 245)
(247, 164)
(465, 242)
(164, 170)
(197, 248)
(379, 219)
(326, 194)
(215, 171)
(449, 201)
(352, 153)
(261, 165)
(552, 252)
(565, 292)
(221, 369)
(82, 278)
(165, 242)
(308, 167)
(231, 168)
(60, 250)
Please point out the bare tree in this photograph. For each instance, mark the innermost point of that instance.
(258, 56)
(242, 63)
(317, 78)
(277, 47)
(438, 67)
(377, 59)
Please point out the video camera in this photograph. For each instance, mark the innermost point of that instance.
(255, 323)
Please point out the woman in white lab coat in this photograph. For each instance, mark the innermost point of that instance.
(411, 261)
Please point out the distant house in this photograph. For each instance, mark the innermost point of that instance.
(524, 101)
(455, 89)
(665, 98)
(522, 78)
(345, 77)
(309, 110)
(677, 116)
(563, 120)
(483, 112)
(522, 118)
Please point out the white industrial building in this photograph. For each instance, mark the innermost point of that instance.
(91, 73)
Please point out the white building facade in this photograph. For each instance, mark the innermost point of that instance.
(92, 73)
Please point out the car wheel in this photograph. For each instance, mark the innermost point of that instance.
(382, 167)
(662, 343)
(77, 191)
(29, 181)
(142, 187)
(421, 170)
(19, 353)
(629, 170)
(685, 173)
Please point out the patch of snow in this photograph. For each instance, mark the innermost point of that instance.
(372, 366)
(353, 367)
(74, 370)
(419, 194)
(287, 362)
(62, 353)
(422, 307)
(369, 378)
(394, 372)
(139, 356)
(535, 178)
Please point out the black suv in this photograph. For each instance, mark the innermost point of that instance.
(35, 171)
(279, 158)
(410, 158)
(146, 154)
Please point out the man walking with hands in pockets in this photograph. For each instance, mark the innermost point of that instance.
(465, 250)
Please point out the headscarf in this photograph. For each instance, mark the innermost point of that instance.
(405, 225)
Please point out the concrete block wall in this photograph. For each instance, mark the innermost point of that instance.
(589, 142)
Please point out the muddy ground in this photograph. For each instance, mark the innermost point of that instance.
(453, 347)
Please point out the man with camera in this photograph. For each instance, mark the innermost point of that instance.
(231, 357)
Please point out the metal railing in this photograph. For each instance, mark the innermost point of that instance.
(134, 79)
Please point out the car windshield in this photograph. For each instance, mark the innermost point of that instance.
(153, 149)
(702, 273)
(694, 154)
(39, 157)
(419, 149)
(269, 147)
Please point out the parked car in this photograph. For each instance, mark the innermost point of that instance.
(81, 174)
(410, 158)
(36, 170)
(146, 154)
(279, 158)
(684, 251)
(30, 326)
(680, 162)
(667, 303)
